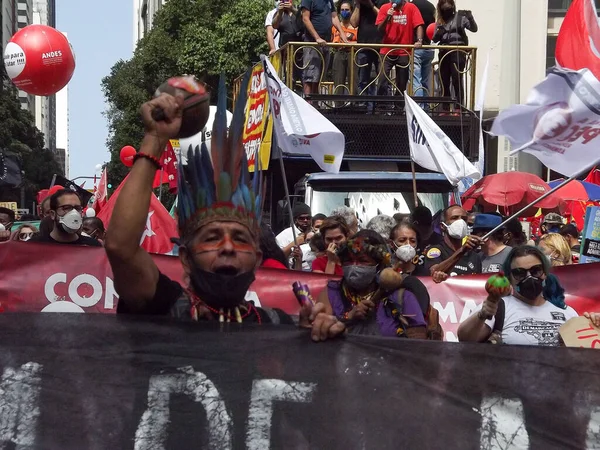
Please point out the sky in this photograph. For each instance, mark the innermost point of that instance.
(101, 33)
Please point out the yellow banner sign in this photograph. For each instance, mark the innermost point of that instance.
(258, 131)
(9, 205)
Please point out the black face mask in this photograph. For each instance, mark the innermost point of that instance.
(447, 13)
(219, 290)
(530, 287)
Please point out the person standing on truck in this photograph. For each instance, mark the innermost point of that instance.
(398, 20)
(367, 59)
(422, 70)
(302, 227)
(318, 16)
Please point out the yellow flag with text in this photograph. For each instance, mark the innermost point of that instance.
(258, 131)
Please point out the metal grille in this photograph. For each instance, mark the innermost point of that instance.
(383, 136)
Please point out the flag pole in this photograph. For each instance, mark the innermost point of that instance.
(414, 180)
(287, 195)
(547, 194)
(161, 184)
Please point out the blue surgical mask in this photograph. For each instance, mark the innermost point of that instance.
(345, 14)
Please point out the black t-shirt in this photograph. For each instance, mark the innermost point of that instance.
(428, 13)
(367, 30)
(468, 264)
(434, 239)
(170, 299)
(320, 17)
(83, 240)
(290, 28)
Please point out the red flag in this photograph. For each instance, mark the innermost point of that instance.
(578, 43)
(169, 172)
(593, 176)
(41, 195)
(101, 195)
(160, 226)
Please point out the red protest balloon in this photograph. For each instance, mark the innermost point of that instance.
(430, 31)
(127, 154)
(39, 60)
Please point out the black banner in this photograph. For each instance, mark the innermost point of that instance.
(101, 382)
(68, 184)
(10, 169)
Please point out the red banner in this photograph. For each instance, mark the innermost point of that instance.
(54, 278)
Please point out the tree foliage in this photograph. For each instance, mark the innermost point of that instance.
(199, 37)
(19, 135)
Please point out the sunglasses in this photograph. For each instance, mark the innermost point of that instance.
(520, 274)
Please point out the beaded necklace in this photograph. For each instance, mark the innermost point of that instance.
(225, 314)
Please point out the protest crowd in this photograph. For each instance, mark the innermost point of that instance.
(376, 270)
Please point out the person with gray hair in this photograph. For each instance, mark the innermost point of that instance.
(349, 215)
(382, 225)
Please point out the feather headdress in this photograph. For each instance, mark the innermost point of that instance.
(216, 186)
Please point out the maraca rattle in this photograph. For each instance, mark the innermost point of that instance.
(196, 103)
(497, 286)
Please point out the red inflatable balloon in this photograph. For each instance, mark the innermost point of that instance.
(127, 154)
(39, 60)
(430, 31)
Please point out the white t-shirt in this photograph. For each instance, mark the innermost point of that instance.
(269, 22)
(532, 325)
(286, 237)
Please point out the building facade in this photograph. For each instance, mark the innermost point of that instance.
(143, 16)
(62, 129)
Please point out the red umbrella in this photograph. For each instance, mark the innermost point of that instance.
(509, 192)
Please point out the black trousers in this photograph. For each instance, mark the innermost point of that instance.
(452, 64)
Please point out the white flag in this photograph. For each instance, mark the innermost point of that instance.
(560, 122)
(432, 149)
(300, 128)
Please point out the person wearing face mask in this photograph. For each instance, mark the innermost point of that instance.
(534, 312)
(7, 218)
(451, 30)
(219, 235)
(556, 248)
(452, 256)
(404, 237)
(422, 219)
(66, 212)
(94, 227)
(342, 57)
(358, 302)
(25, 232)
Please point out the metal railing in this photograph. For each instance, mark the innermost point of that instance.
(460, 61)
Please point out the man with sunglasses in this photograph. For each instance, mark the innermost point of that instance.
(66, 212)
(302, 225)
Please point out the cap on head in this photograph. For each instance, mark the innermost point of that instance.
(300, 209)
(486, 222)
(553, 218)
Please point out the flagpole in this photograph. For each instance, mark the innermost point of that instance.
(53, 180)
(546, 195)
(160, 187)
(414, 177)
(287, 197)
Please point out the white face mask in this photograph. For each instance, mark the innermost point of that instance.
(71, 222)
(458, 229)
(406, 253)
(2, 227)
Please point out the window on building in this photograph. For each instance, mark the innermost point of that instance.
(550, 51)
(560, 7)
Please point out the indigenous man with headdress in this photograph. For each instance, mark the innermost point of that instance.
(219, 211)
